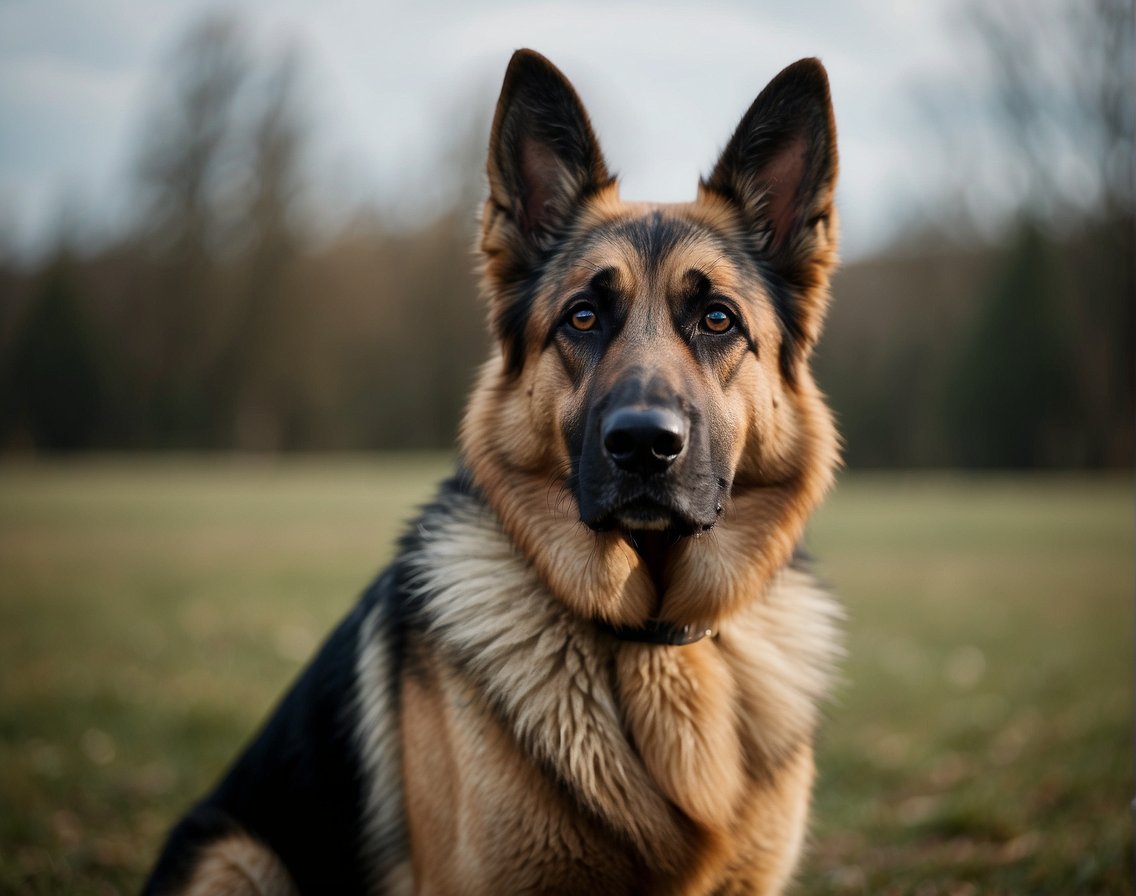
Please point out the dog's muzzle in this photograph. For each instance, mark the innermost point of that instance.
(645, 464)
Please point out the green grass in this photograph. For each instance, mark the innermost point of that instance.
(982, 741)
(152, 610)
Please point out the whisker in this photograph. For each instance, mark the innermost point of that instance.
(559, 481)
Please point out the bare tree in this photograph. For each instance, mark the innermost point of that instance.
(184, 176)
(1065, 89)
(248, 370)
(186, 142)
(1063, 83)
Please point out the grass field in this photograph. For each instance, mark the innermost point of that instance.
(152, 610)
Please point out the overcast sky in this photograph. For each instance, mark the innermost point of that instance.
(387, 86)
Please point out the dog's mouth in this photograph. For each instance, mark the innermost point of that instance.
(654, 506)
(653, 523)
(644, 514)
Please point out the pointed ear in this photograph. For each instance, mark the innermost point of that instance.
(544, 161)
(779, 169)
(543, 156)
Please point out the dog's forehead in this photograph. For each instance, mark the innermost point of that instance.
(652, 245)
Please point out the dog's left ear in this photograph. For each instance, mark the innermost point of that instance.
(780, 169)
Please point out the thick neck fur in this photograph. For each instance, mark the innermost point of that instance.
(600, 574)
(661, 743)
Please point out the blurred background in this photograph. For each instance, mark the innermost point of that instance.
(238, 324)
(252, 230)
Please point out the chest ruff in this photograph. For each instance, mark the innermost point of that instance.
(541, 753)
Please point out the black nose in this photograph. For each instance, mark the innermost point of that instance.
(644, 440)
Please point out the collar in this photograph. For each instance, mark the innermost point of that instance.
(657, 631)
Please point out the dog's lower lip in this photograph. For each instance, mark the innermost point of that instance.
(644, 514)
(647, 516)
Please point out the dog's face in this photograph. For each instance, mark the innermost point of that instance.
(654, 357)
(652, 334)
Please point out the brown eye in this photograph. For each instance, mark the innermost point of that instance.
(583, 317)
(718, 320)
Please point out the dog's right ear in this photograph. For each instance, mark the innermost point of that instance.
(544, 160)
(543, 155)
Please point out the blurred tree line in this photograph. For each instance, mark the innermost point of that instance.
(221, 321)
(1017, 349)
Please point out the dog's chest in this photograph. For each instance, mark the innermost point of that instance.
(540, 755)
(482, 816)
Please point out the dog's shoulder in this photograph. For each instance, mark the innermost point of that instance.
(305, 786)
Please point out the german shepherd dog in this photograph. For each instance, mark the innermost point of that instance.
(595, 664)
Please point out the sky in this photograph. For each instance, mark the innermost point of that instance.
(389, 87)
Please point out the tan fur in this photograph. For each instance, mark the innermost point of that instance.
(679, 706)
(696, 762)
(546, 671)
(505, 832)
(597, 576)
(764, 522)
(238, 866)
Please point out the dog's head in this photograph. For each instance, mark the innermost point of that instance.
(654, 358)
